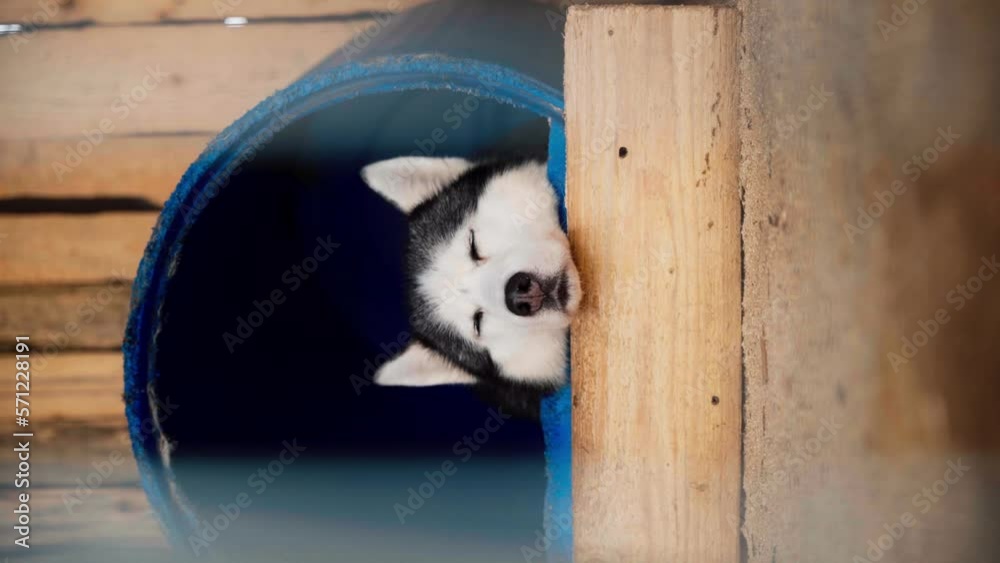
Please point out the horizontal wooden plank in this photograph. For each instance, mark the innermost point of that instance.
(68, 317)
(130, 11)
(145, 79)
(68, 451)
(84, 387)
(77, 416)
(121, 513)
(147, 167)
(72, 248)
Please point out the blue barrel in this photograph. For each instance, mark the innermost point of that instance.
(272, 287)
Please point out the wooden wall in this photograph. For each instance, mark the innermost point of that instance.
(164, 77)
(838, 441)
(870, 183)
(842, 438)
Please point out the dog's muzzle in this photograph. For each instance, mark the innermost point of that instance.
(526, 294)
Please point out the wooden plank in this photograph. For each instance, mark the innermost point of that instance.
(68, 317)
(72, 248)
(78, 419)
(126, 11)
(147, 167)
(82, 387)
(654, 216)
(121, 513)
(54, 88)
(66, 451)
(840, 442)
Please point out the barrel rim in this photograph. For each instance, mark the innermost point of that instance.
(319, 90)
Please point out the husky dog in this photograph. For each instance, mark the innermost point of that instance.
(491, 284)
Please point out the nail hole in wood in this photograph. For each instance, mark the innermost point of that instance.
(622, 152)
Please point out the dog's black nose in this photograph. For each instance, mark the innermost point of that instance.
(523, 294)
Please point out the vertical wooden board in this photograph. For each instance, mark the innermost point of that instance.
(654, 220)
(841, 439)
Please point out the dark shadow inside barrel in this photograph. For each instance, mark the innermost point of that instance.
(285, 297)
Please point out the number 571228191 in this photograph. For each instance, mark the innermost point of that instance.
(22, 385)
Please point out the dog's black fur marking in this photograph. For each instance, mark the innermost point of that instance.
(432, 223)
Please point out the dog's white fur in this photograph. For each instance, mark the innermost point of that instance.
(516, 229)
(408, 180)
(418, 366)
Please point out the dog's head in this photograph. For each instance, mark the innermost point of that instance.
(491, 283)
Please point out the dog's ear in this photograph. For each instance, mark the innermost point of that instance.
(409, 180)
(418, 366)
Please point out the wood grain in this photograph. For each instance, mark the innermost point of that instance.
(78, 419)
(77, 249)
(67, 317)
(126, 11)
(146, 167)
(121, 513)
(654, 215)
(82, 387)
(70, 449)
(838, 440)
(55, 87)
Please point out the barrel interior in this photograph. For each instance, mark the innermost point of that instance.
(286, 294)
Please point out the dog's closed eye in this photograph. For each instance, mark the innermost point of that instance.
(477, 322)
(473, 249)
